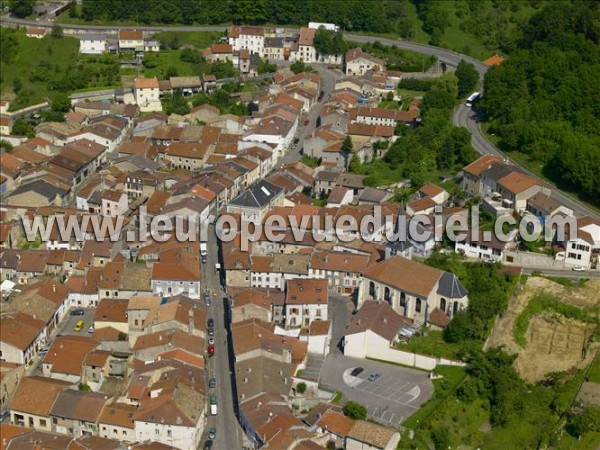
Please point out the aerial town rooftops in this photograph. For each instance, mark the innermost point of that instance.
(145, 83)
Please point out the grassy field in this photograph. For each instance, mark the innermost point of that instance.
(595, 371)
(159, 65)
(54, 56)
(444, 387)
(389, 104)
(433, 345)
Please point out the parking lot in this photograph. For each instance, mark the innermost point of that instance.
(390, 399)
(69, 327)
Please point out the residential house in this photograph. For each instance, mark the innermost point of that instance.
(357, 62)
(382, 116)
(253, 203)
(306, 301)
(247, 38)
(116, 422)
(65, 358)
(22, 336)
(146, 93)
(76, 413)
(92, 44)
(174, 416)
(187, 155)
(492, 249)
(114, 203)
(375, 326)
(131, 40)
(32, 403)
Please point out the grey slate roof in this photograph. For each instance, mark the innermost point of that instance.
(450, 286)
(41, 187)
(258, 195)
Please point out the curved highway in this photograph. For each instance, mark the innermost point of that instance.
(463, 116)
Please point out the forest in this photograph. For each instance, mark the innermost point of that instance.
(544, 101)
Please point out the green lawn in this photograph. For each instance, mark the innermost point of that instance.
(433, 345)
(159, 64)
(389, 104)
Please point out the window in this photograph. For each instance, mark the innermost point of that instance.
(169, 433)
(42, 422)
(156, 432)
(418, 305)
(443, 304)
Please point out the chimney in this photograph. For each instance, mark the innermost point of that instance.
(160, 337)
(385, 320)
(54, 288)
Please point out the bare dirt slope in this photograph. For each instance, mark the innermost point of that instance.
(554, 343)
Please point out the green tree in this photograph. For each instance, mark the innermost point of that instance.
(22, 128)
(584, 422)
(264, 66)
(298, 66)
(354, 164)
(467, 77)
(175, 104)
(347, 144)
(21, 8)
(61, 102)
(84, 387)
(73, 11)
(328, 42)
(355, 411)
(57, 31)
(301, 388)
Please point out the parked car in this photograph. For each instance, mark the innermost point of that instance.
(211, 331)
(211, 340)
(579, 269)
(374, 377)
(78, 326)
(212, 383)
(210, 322)
(356, 371)
(212, 433)
(211, 350)
(77, 312)
(207, 298)
(208, 445)
(91, 329)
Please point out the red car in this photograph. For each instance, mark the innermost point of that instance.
(211, 350)
(307, 121)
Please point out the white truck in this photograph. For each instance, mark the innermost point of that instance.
(203, 252)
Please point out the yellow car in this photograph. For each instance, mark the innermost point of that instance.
(79, 325)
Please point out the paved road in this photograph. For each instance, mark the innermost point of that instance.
(328, 79)
(229, 433)
(563, 273)
(340, 310)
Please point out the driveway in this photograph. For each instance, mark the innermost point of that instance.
(389, 400)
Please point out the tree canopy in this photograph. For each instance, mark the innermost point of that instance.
(328, 42)
(543, 100)
(21, 8)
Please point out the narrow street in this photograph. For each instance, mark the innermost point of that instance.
(229, 433)
(328, 79)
